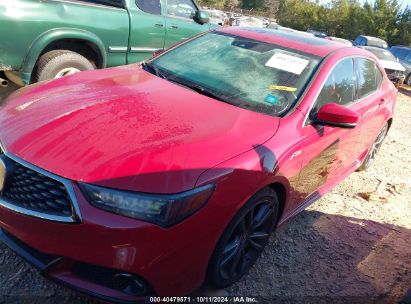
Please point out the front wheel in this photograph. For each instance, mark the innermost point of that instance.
(375, 147)
(244, 239)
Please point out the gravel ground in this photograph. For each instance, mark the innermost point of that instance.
(352, 246)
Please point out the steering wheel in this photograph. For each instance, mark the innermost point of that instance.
(283, 102)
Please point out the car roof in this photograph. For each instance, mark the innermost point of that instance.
(373, 38)
(294, 40)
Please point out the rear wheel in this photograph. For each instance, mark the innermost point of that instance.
(59, 63)
(244, 239)
(375, 147)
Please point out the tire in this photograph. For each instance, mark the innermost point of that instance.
(408, 80)
(237, 250)
(59, 63)
(375, 147)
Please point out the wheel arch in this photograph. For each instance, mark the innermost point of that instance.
(88, 43)
(281, 192)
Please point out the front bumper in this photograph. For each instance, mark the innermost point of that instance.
(170, 261)
(397, 77)
(59, 269)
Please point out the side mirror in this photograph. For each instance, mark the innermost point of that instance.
(335, 115)
(201, 17)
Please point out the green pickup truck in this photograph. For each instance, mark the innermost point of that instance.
(44, 39)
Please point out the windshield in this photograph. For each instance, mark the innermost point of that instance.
(377, 43)
(383, 54)
(255, 75)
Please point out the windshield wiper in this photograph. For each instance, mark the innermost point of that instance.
(200, 89)
(152, 69)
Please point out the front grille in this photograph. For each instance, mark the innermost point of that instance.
(394, 73)
(34, 191)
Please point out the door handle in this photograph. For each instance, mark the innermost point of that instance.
(174, 27)
(159, 25)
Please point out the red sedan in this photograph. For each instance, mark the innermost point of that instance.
(147, 179)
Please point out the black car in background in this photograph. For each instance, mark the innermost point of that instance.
(403, 54)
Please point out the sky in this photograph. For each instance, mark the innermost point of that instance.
(403, 3)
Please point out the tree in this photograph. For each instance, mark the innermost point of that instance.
(341, 18)
(404, 28)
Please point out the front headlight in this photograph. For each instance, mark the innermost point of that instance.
(162, 209)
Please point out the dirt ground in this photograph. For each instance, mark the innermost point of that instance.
(352, 246)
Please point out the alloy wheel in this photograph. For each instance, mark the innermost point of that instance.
(376, 146)
(247, 241)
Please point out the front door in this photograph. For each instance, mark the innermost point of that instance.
(148, 29)
(179, 21)
(329, 151)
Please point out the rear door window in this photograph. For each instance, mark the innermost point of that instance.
(368, 78)
(149, 6)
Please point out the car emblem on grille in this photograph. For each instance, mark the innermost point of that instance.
(3, 172)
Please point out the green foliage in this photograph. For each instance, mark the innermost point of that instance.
(341, 18)
(348, 19)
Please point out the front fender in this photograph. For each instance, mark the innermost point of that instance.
(42, 41)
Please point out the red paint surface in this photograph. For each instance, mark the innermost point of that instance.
(125, 128)
(335, 113)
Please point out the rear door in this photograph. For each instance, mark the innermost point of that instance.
(370, 101)
(179, 21)
(148, 29)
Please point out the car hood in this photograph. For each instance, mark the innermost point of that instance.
(128, 129)
(392, 65)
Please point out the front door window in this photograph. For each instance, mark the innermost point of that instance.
(181, 8)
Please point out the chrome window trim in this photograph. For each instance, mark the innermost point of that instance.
(68, 184)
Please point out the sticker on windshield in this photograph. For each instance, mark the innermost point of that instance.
(282, 88)
(271, 99)
(288, 63)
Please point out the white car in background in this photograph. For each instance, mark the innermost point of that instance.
(249, 22)
(217, 17)
(394, 69)
(341, 40)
